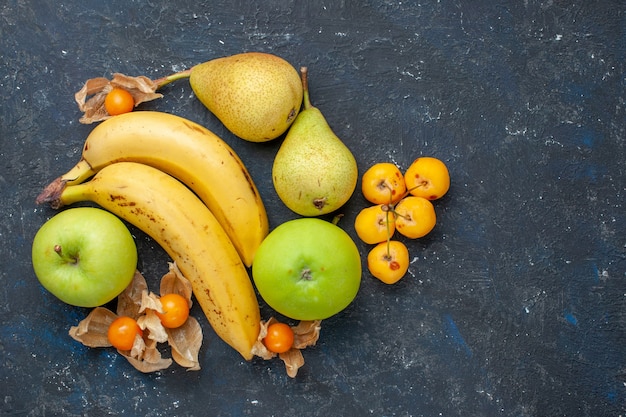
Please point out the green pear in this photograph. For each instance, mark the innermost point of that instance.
(255, 95)
(314, 172)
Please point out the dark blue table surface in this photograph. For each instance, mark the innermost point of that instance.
(515, 305)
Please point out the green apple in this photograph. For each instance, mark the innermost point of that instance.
(307, 269)
(85, 256)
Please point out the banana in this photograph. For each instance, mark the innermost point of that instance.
(174, 217)
(187, 151)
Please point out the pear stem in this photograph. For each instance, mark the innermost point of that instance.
(161, 82)
(305, 87)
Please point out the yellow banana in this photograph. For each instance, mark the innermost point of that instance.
(187, 151)
(173, 216)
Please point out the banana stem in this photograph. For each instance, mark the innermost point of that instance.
(79, 173)
(161, 82)
(51, 192)
(71, 194)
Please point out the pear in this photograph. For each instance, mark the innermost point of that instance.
(314, 172)
(255, 95)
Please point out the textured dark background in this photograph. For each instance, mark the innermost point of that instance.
(514, 306)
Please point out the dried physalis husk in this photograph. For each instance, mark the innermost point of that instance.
(136, 302)
(129, 301)
(152, 323)
(259, 349)
(293, 360)
(175, 283)
(149, 320)
(149, 359)
(90, 98)
(306, 333)
(185, 342)
(92, 330)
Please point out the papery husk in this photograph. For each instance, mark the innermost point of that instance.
(306, 333)
(175, 283)
(152, 323)
(138, 350)
(136, 302)
(259, 349)
(185, 342)
(150, 300)
(92, 330)
(150, 304)
(129, 301)
(150, 359)
(293, 360)
(141, 88)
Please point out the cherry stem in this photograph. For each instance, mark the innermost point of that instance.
(401, 215)
(388, 232)
(387, 208)
(406, 194)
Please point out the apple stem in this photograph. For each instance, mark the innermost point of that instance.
(337, 218)
(59, 251)
(305, 87)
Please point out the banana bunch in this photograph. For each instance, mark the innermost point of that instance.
(187, 151)
(187, 189)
